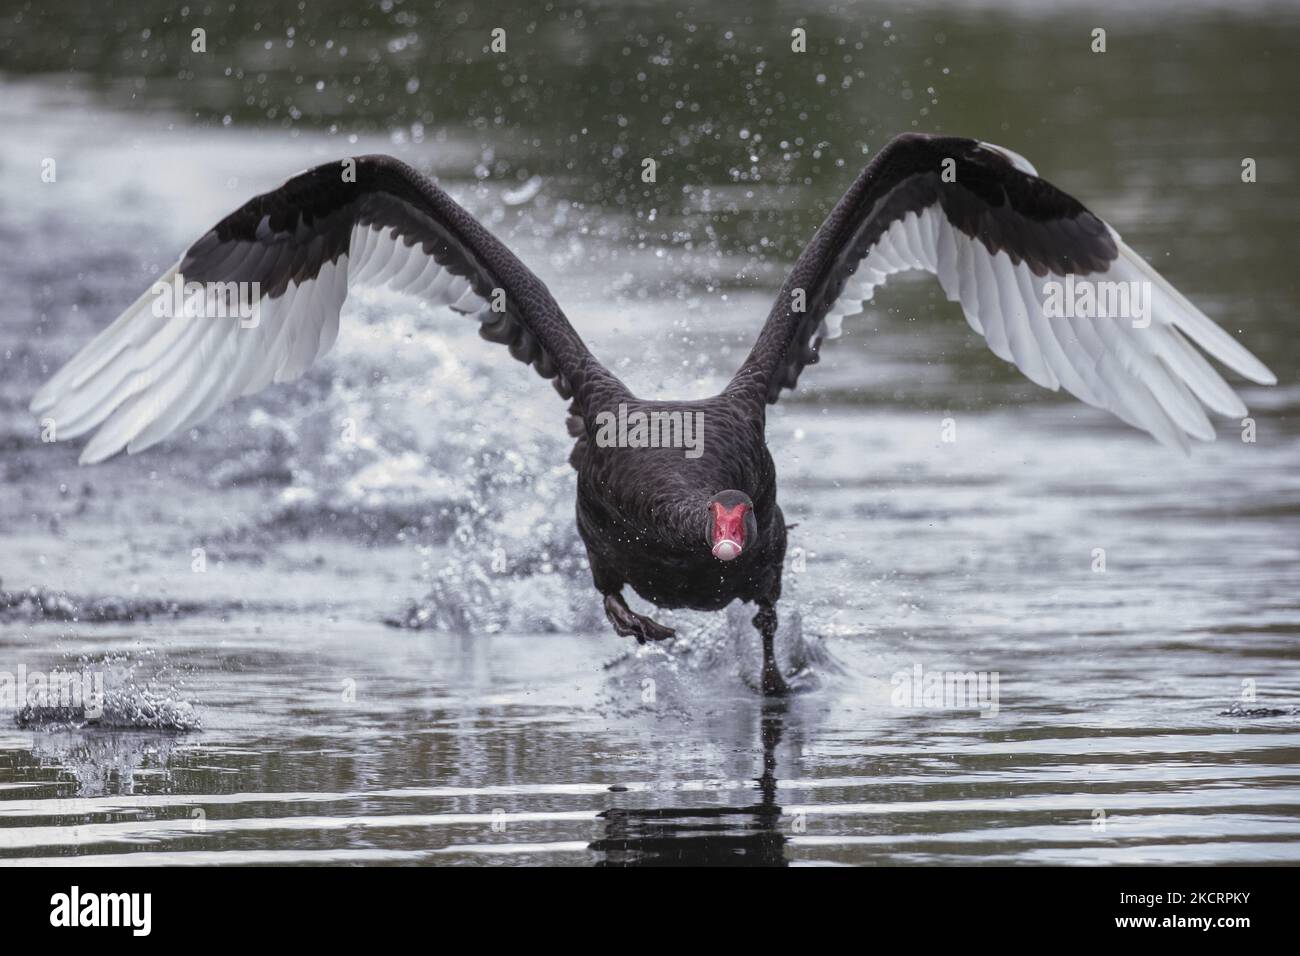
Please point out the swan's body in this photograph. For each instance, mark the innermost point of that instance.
(682, 532)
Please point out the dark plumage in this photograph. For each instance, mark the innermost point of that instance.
(694, 531)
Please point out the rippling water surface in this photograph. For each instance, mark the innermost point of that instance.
(393, 653)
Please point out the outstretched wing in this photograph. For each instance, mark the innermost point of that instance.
(268, 283)
(1009, 247)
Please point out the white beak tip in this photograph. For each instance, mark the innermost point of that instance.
(726, 550)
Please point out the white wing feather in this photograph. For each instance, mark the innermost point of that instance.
(1151, 377)
(147, 377)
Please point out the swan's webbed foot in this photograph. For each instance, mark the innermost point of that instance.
(627, 623)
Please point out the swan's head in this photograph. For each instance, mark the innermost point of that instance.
(731, 525)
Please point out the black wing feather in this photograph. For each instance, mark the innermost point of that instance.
(988, 199)
(308, 222)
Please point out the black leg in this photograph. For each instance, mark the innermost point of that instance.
(627, 623)
(765, 620)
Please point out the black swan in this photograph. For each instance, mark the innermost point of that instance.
(695, 529)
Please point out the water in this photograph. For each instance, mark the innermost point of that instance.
(393, 653)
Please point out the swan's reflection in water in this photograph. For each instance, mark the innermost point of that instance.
(705, 836)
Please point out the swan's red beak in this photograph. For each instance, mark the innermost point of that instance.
(728, 531)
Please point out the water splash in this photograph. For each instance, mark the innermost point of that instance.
(131, 708)
(538, 584)
(714, 654)
(113, 697)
